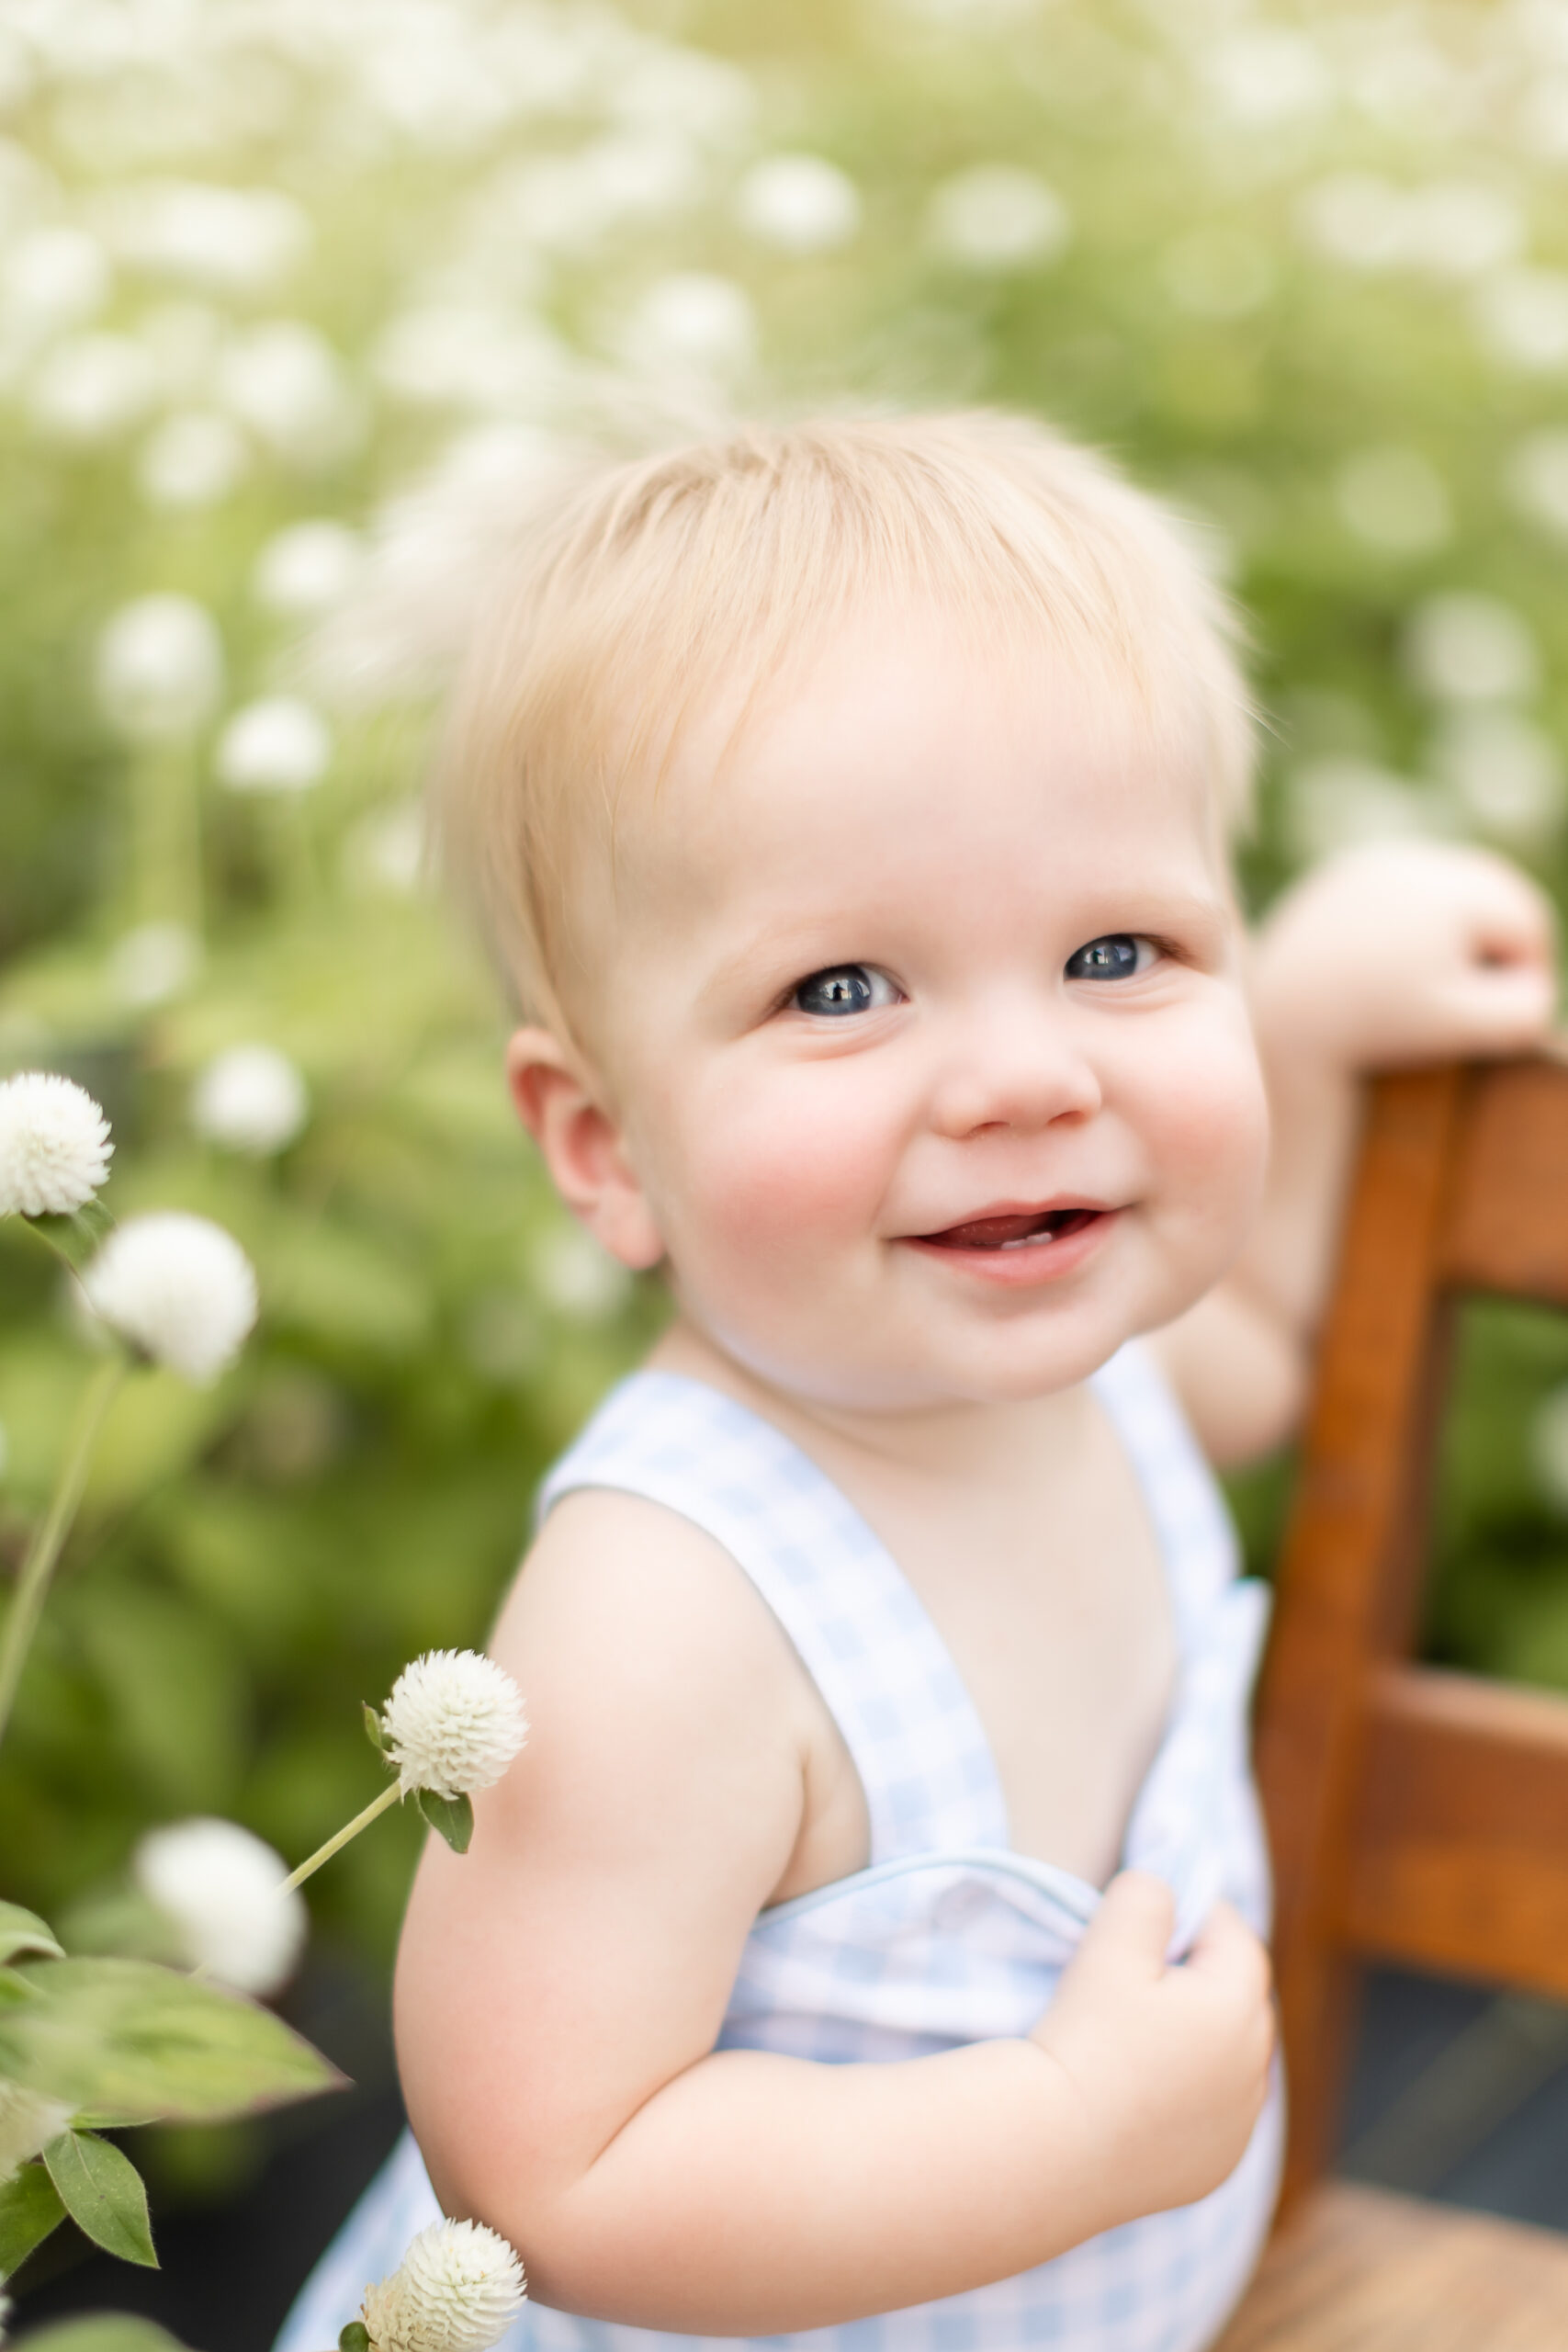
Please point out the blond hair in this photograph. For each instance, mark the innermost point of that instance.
(636, 590)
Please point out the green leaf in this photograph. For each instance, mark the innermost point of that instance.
(30, 2209)
(101, 2190)
(373, 1729)
(355, 2337)
(130, 2037)
(23, 1931)
(105, 2332)
(453, 1816)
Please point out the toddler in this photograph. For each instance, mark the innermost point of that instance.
(867, 1949)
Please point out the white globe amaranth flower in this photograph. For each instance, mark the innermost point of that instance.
(999, 217)
(224, 1892)
(178, 1288)
(193, 459)
(160, 668)
(29, 2121)
(1465, 648)
(453, 1723)
(250, 1098)
(153, 962)
(54, 1145)
(692, 321)
(309, 567)
(458, 2289)
(280, 744)
(92, 389)
(802, 204)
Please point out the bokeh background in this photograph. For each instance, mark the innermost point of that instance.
(296, 298)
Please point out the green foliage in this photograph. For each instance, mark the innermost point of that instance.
(102, 2191)
(130, 2037)
(451, 1817)
(30, 2207)
(22, 1933)
(105, 2332)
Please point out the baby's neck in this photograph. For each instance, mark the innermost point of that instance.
(947, 1445)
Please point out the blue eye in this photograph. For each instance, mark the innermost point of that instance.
(1120, 956)
(844, 988)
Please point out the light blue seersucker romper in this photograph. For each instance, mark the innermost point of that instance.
(947, 1936)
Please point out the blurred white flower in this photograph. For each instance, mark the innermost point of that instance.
(285, 381)
(800, 203)
(225, 240)
(178, 1288)
(386, 851)
(458, 2289)
(453, 1723)
(1223, 271)
(1506, 773)
(1521, 316)
(1394, 500)
(691, 321)
(308, 568)
(250, 1098)
(1536, 479)
(568, 204)
(153, 963)
(92, 387)
(160, 668)
(1543, 116)
(193, 459)
(29, 2121)
(54, 1145)
(470, 356)
(280, 744)
(999, 217)
(1459, 229)
(1266, 78)
(185, 339)
(577, 1275)
(51, 278)
(224, 1892)
(1549, 1446)
(1355, 218)
(1340, 803)
(702, 98)
(1464, 648)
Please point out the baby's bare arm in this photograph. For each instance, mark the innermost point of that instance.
(560, 1987)
(1408, 951)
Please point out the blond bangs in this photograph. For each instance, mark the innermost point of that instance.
(637, 593)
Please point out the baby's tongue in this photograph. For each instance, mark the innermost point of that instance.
(990, 1232)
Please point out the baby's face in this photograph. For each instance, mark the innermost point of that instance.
(923, 1021)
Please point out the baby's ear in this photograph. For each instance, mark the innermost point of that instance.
(561, 1105)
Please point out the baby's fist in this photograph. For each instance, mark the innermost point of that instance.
(1407, 952)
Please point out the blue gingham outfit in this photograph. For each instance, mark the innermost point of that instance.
(947, 1936)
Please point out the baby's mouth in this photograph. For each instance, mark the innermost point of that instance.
(1020, 1230)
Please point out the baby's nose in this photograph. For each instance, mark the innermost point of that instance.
(1018, 1073)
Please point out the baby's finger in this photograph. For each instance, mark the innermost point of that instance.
(1496, 1008)
(1129, 1932)
(1229, 1958)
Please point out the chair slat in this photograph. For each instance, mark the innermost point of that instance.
(1506, 1224)
(1458, 1846)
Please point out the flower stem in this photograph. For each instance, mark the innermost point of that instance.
(388, 1795)
(32, 1584)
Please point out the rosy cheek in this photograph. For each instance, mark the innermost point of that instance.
(803, 1164)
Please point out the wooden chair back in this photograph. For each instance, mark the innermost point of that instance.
(1416, 1816)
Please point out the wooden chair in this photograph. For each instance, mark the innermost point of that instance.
(1416, 1816)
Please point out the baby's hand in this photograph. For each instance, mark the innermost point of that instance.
(1406, 952)
(1171, 2063)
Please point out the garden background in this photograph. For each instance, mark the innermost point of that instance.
(296, 298)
